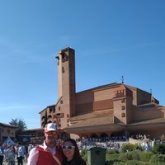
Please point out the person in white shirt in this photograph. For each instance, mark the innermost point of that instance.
(20, 154)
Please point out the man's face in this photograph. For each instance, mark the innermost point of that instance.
(50, 138)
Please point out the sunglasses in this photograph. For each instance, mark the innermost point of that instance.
(68, 147)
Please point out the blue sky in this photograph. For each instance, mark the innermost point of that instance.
(111, 38)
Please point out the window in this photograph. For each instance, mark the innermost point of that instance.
(122, 107)
(49, 116)
(8, 131)
(123, 115)
(63, 70)
(50, 110)
(60, 115)
(53, 110)
(64, 57)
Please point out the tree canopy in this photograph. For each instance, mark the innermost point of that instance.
(19, 123)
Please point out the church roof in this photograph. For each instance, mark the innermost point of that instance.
(152, 121)
(101, 87)
(94, 114)
(7, 125)
(105, 120)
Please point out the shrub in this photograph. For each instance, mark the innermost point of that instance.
(112, 151)
(129, 147)
(157, 159)
(145, 156)
(125, 156)
(154, 159)
(118, 163)
(159, 149)
(84, 154)
(155, 149)
(135, 155)
(161, 158)
(112, 156)
(135, 162)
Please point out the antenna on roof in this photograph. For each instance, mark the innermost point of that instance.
(151, 91)
(122, 79)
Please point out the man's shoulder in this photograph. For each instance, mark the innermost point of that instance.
(36, 148)
(39, 147)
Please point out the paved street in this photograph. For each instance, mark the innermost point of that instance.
(6, 163)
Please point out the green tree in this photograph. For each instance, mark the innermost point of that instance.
(19, 123)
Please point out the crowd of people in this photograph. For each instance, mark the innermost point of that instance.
(112, 142)
(55, 152)
(12, 153)
(49, 153)
(115, 142)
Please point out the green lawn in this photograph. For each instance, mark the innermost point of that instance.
(135, 158)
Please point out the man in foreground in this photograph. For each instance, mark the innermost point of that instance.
(48, 153)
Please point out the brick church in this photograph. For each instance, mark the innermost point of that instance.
(112, 109)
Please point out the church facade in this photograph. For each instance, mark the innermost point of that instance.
(106, 110)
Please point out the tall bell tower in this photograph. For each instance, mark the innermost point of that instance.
(66, 83)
